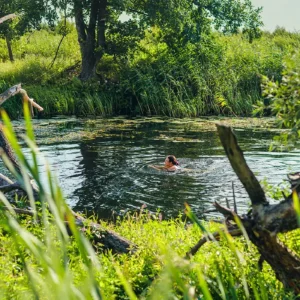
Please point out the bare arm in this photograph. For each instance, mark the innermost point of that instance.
(159, 168)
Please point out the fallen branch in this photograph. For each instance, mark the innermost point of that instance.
(10, 187)
(10, 92)
(239, 165)
(16, 89)
(107, 238)
(216, 235)
(30, 100)
(226, 212)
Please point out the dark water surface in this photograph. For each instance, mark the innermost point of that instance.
(110, 173)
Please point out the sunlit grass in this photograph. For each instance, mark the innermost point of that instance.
(219, 77)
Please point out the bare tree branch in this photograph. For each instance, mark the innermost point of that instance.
(14, 90)
(216, 235)
(234, 201)
(239, 165)
(11, 187)
(10, 92)
(8, 17)
(226, 212)
(20, 211)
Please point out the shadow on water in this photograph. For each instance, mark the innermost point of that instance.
(110, 175)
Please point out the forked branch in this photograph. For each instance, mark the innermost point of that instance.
(17, 89)
(264, 221)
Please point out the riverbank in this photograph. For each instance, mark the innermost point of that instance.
(219, 77)
(157, 270)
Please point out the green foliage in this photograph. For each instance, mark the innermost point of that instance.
(184, 22)
(44, 259)
(221, 75)
(284, 101)
(275, 192)
(40, 260)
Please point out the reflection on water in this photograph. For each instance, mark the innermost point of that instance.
(111, 174)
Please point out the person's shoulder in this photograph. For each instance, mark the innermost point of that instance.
(173, 168)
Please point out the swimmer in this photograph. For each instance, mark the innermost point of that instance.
(171, 164)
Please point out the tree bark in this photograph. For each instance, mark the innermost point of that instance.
(101, 41)
(285, 263)
(91, 37)
(9, 49)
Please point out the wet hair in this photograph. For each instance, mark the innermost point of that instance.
(172, 159)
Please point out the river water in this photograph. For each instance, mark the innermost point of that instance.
(108, 174)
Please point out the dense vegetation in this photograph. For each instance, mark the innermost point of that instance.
(228, 270)
(167, 68)
(222, 76)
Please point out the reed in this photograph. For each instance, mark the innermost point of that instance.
(222, 75)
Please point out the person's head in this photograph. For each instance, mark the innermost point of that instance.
(171, 161)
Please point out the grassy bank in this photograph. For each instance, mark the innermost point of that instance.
(157, 270)
(225, 270)
(219, 76)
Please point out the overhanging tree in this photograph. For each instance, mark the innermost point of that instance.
(181, 22)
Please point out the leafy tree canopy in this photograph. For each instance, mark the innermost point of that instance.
(100, 29)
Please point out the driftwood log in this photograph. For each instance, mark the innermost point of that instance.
(264, 221)
(107, 238)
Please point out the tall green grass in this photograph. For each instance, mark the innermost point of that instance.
(40, 260)
(221, 75)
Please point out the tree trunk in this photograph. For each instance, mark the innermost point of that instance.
(91, 37)
(280, 258)
(101, 41)
(88, 64)
(9, 49)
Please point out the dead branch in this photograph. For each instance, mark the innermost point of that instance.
(264, 221)
(216, 236)
(16, 89)
(20, 211)
(10, 187)
(107, 238)
(10, 92)
(239, 165)
(227, 203)
(30, 100)
(5, 180)
(234, 201)
(226, 212)
(7, 17)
